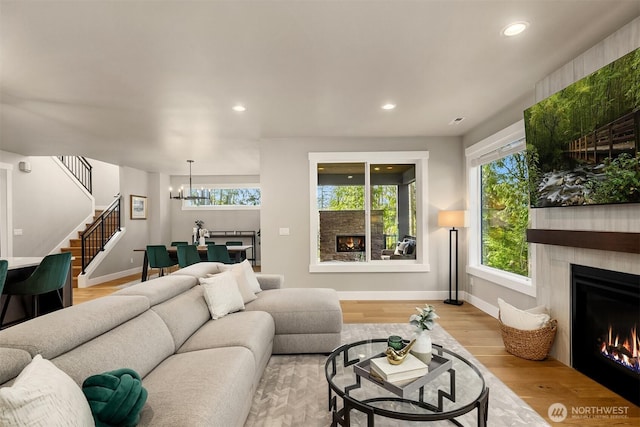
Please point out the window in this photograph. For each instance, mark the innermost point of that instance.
(366, 211)
(499, 209)
(236, 196)
(504, 213)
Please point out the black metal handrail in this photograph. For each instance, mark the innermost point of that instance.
(100, 232)
(81, 169)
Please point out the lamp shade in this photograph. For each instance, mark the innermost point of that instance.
(452, 219)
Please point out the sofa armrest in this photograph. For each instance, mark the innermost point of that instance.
(270, 281)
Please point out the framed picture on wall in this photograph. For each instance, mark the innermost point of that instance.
(138, 206)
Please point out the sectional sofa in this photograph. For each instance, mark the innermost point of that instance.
(197, 371)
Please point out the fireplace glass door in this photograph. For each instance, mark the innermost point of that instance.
(605, 319)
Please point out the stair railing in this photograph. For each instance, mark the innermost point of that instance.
(101, 230)
(81, 169)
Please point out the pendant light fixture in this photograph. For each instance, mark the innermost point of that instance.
(190, 195)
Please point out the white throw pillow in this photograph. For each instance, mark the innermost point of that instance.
(222, 294)
(243, 284)
(541, 309)
(521, 319)
(250, 276)
(43, 395)
(400, 248)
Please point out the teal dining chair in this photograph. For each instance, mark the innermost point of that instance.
(50, 275)
(179, 243)
(187, 255)
(4, 267)
(159, 258)
(218, 253)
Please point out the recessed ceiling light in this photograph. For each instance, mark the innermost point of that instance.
(350, 176)
(515, 28)
(239, 108)
(388, 106)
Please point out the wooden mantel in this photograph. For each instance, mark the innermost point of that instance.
(601, 240)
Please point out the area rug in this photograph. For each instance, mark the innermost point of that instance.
(293, 390)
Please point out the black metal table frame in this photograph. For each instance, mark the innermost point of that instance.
(343, 416)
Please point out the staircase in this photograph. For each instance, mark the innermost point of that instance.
(92, 240)
(75, 247)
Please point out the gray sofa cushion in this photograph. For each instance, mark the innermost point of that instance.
(306, 343)
(301, 310)
(253, 330)
(160, 289)
(13, 362)
(200, 388)
(270, 281)
(140, 344)
(184, 314)
(200, 269)
(60, 331)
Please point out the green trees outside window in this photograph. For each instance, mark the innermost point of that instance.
(505, 214)
(225, 197)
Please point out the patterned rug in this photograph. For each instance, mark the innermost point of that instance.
(293, 390)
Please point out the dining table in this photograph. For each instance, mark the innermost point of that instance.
(237, 253)
(19, 310)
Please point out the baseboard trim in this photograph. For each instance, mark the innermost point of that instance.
(481, 304)
(392, 295)
(108, 277)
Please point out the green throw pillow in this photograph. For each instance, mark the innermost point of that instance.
(115, 398)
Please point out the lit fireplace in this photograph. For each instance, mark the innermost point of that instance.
(604, 328)
(623, 351)
(353, 243)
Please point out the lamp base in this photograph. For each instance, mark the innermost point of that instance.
(453, 302)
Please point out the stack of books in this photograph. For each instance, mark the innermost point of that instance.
(410, 369)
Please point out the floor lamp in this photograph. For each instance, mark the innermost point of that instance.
(452, 219)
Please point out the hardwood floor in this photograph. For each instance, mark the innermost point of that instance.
(539, 383)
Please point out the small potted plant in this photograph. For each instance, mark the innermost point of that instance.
(424, 321)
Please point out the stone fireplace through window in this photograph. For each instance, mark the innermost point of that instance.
(605, 317)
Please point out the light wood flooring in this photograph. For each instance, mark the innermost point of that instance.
(539, 383)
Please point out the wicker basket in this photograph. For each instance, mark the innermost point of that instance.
(530, 345)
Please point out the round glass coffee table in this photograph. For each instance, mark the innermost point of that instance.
(452, 388)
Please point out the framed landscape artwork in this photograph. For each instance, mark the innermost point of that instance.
(138, 205)
(583, 142)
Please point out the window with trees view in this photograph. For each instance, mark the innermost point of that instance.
(229, 197)
(505, 214)
(367, 212)
(499, 209)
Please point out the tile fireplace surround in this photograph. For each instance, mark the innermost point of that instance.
(553, 283)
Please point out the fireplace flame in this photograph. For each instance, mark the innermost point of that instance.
(625, 351)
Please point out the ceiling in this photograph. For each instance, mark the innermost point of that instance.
(150, 84)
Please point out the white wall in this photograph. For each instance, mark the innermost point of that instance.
(47, 204)
(105, 182)
(285, 203)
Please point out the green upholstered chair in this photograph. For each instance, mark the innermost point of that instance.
(159, 257)
(187, 255)
(50, 275)
(4, 266)
(179, 243)
(218, 253)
